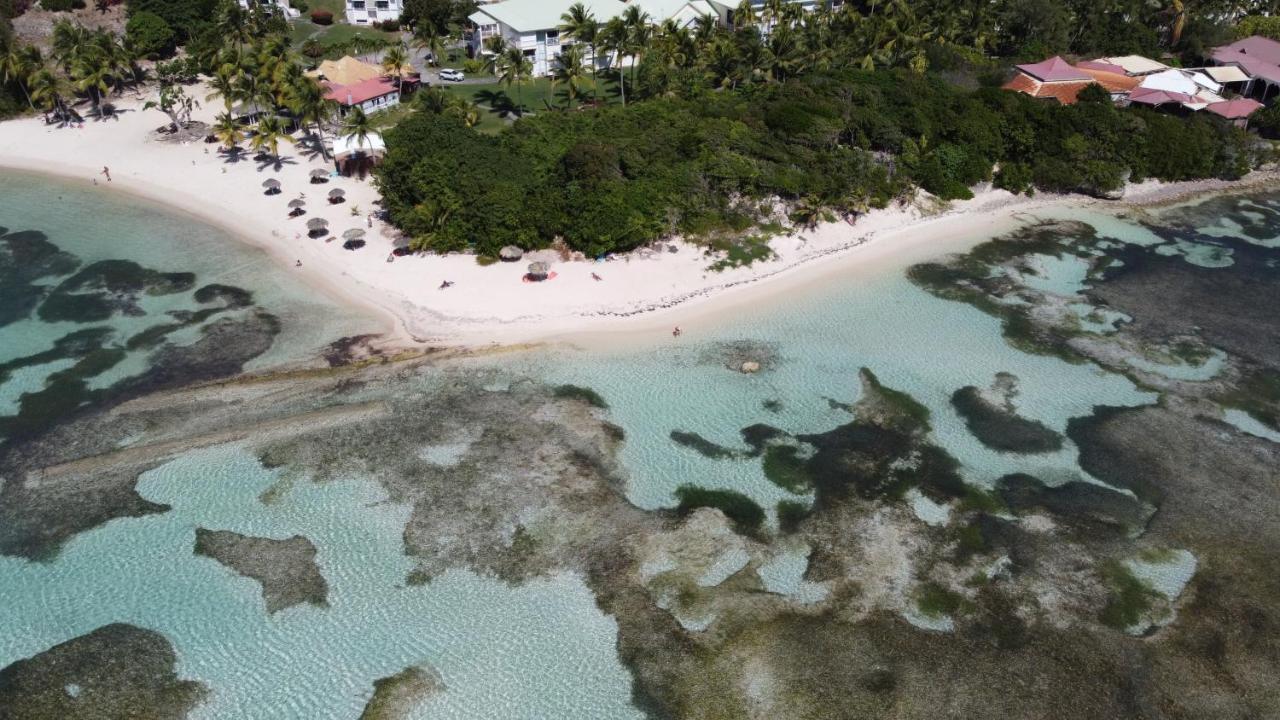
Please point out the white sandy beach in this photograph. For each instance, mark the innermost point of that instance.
(646, 292)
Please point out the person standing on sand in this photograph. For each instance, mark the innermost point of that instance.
(106, 171)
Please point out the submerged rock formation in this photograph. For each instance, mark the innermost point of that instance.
(286, 569)
(116, 671)
(395, 696)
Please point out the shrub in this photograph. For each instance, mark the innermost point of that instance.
(391, 26)
(150, 34)
(321, 17)
(299, 5)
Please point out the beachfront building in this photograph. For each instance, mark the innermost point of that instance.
(534, 25)
(1190, 89)
(367, 12)
(272, 6)
(1258, 60)
(351, 83)
(1055, 80)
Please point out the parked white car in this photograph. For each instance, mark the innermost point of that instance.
(452, 75)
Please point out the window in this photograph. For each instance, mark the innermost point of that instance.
(358, 5)
(553, 37)
(381, 4)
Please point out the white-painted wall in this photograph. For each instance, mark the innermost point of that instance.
(367, 12)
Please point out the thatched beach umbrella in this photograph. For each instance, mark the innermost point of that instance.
(353, 234)
(319, 175)
(272, 185)
(336, 195)
(539, 270)
(510, 253)
(353, 244)
(317, 226)
(295, 207)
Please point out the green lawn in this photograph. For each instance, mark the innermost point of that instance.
(338, 32)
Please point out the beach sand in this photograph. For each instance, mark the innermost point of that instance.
(639, 294)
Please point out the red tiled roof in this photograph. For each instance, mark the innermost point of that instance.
(1152, 96)
(1113, 82)
(1055, 69)
(360, 92)
(1257, 47)
(1087, 65)
(1235, 109)
(1063, 92)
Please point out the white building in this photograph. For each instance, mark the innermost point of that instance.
(367, 12)
(281, 6)
(533, 25)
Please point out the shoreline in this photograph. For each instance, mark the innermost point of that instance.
(641, 293)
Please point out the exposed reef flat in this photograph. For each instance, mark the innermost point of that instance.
(395, 696)
(286, 569)
(116, 671)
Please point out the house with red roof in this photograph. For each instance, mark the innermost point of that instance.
(1258, 58)
(1054, 79)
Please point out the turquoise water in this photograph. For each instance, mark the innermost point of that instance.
(94, 224)
(542, 649)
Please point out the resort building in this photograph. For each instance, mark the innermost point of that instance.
(1190, 89)
(1258, 59)
(1054, 79)
(534, 25)
(367, 12)
(280, 6)
(352, 83)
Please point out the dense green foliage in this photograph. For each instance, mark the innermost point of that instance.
(618, 177)
(746, 515)
(62, 5)
(150, 35)
(185, 17)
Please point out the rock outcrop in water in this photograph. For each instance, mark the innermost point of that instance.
(395, 696)
(116, 671)
(996, 423)
(286, 569)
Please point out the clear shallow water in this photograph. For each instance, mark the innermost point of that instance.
(541, 650)
(912, 341)
(95, 224)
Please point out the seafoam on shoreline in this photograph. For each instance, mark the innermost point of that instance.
(640, 294)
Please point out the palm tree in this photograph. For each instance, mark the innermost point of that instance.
(569, 72)
(745, 15)
(515, 68)
(615, 38)
(496, 45)
(70, 40)
(223, 84)
(17, 64)
(92, 74)
(269, 133)
(47, 89)
(393, 62)
(431, 41)
(580, 24)
(639, 36)
(228, 131)
(307, 101)
(357, 126)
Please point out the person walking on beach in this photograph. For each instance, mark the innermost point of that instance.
(676, 332)
(106, 171)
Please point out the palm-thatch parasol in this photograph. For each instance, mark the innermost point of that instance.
(353, 244)
(538, 270)
(319, 175)
(272, 185)
(353, 234)
(317, 226)
(510, 253)
(336, 195)
(295, 207)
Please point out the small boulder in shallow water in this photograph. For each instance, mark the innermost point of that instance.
(750, 367)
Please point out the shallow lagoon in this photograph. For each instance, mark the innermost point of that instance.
(541, 649)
